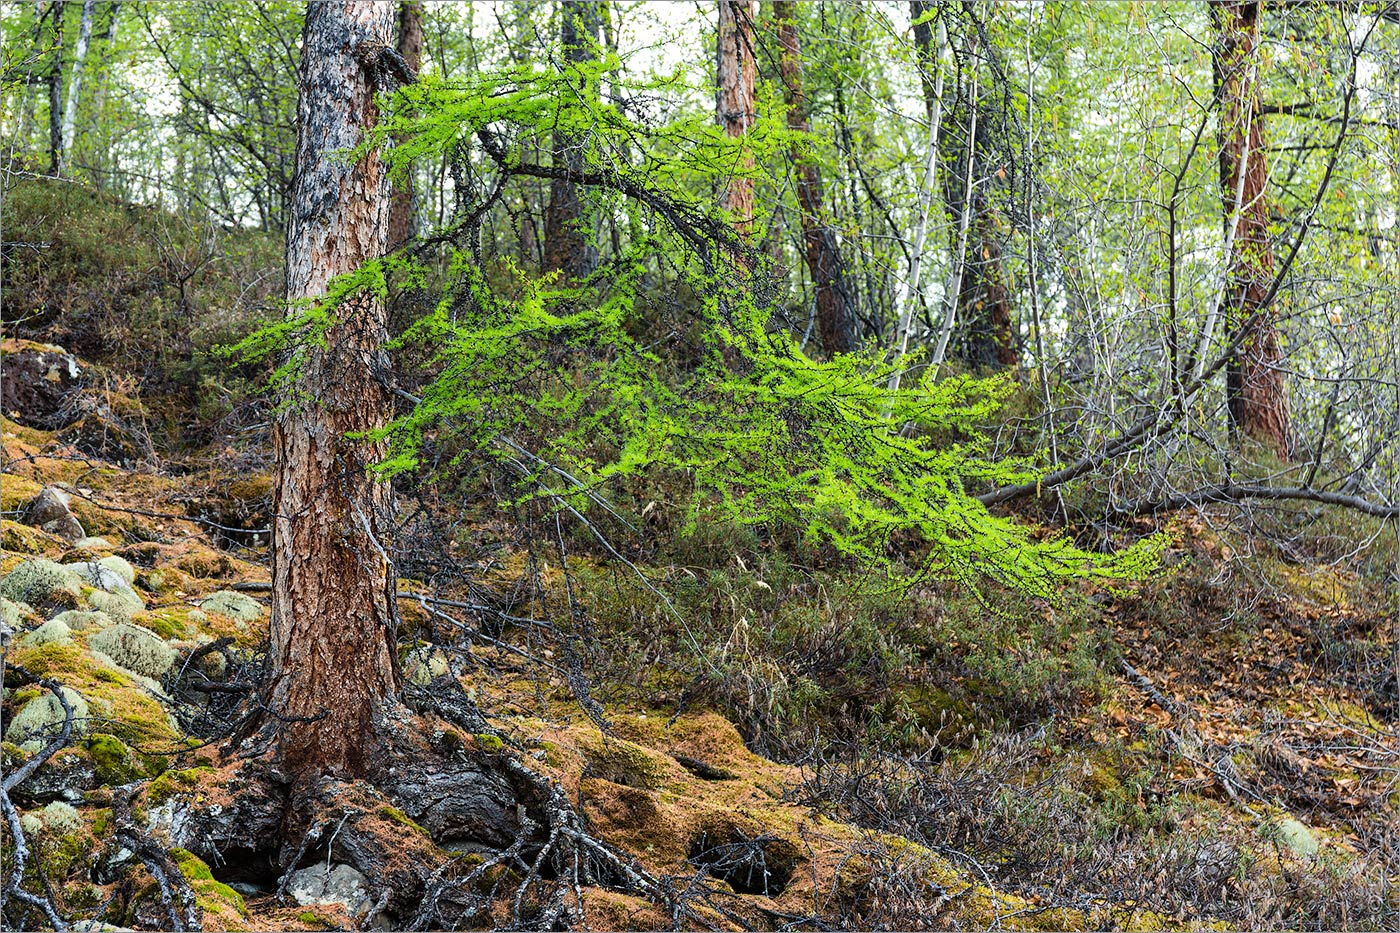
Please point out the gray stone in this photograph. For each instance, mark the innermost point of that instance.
(37, 383)
(65, 776)
(51, 511)
(96, 574)
(336, 884)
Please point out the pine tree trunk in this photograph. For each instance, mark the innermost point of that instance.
(736, 71)
(567, 247)
(332, 675)
(410, 46)
(1256, 391)
(836, 321)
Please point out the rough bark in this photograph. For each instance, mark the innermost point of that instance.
(836, 322)
(567, 247)
(985, 297)
(410, 47)
(332, 677)
(736, 71)
(75, 84)
(56, 91)
(1255, 386)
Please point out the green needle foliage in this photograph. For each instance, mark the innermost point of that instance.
(766, 435)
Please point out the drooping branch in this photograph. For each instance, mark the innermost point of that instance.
(1235, 494)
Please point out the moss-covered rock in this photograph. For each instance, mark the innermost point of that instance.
(42, 584)
(23, 539)
(234, 605)
(172, 783)
(623, 762)
(114, 763)
(40, 720)
(213, 898)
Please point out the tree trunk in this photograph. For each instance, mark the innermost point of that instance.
(56, 91)
(332, 675)
(835, 317)
(1256, 392)
(984, 297)
(736, 71)
(567, 246)
(75, 83)
(410, 46)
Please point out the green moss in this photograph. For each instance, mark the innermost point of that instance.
(489, 743)
(209, 895)
(167, 623)
(130, 713)
(624, 762)
(113, 761)
(100, 821)
(175, 782)
(398, 816)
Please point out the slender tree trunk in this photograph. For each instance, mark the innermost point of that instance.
(332, 674)
(410, 46)
(984, 296)
(836, 320)
(56, 91)
(1256, 391)
(931, 50)
(567, 246)
(75, 82)
(736, 71)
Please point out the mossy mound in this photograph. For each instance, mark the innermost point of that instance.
(120, 603)
(134, 648)
(22, 539)
(79, 620)
(117, 698)
(42, 584)
(41, 718)
(233, 605)
(52, 632)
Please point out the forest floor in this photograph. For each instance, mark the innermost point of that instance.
(783, 743)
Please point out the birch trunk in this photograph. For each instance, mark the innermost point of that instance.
(75, 83)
